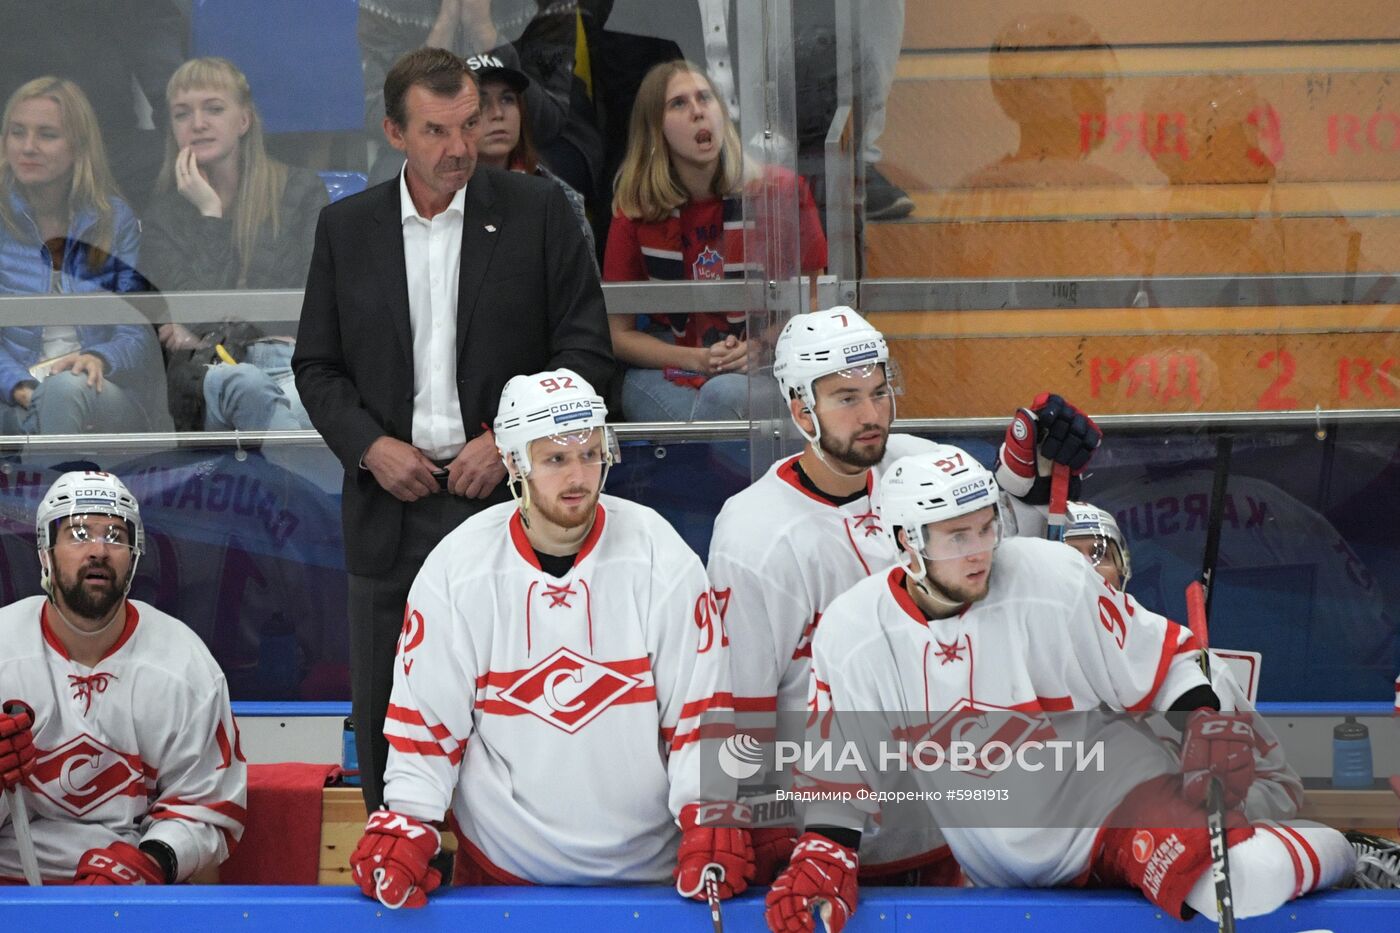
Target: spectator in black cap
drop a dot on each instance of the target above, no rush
(506, 141)
(533, 36)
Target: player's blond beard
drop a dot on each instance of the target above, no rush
(562, 520)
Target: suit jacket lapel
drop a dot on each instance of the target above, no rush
(479, 213)
(392, 276)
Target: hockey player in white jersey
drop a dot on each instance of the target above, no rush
(808, 529)
(1277, 791)
(972, 630)
(132, 772)
(561, 672)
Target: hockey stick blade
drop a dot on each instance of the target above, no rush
(1059, 503)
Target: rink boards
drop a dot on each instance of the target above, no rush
(547, 910)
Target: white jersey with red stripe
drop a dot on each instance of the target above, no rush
(779, 555)
(582, 739)
(141, 746)
(1049, 636)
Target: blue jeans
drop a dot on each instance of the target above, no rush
(64, 403)
(647, 395)
(259, 394)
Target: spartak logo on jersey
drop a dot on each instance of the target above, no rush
(83, 773)
(981, 723)
(567, 690)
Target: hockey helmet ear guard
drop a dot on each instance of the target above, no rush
(81, 494)
(824, 343)
(558, 405)
(1086, 521)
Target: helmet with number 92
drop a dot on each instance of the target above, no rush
(557, 406)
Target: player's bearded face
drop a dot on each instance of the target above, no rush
(566, 478)
(856, 408)
(90, 575)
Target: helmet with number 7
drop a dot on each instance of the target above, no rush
(930, 487)
(821, 343)
(87, 493)
(1085, 521)
(557, 404)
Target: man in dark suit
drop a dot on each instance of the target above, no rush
(425, 294)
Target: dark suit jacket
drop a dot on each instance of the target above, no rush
(528, 299)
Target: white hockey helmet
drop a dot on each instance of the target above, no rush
(557, 404)
(925, 488)
(821, 343)
(1084, 520)
(88, 493)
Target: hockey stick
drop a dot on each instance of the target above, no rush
(1197, 614)
(714, 874)
(19, 816)
(1059, 502)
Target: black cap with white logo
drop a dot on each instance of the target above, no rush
(488, 66)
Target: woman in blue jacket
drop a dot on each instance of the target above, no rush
(64, 230)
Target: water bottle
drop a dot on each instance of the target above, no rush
(350, 758)
(1351, 755)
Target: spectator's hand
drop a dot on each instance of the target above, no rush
(23, 396)
(476, 20)
(477, 470)
(401, 468)
(177, 337)
(82, 364)
(443, 35)
(731, 355)
(190, 182)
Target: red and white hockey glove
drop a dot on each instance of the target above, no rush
(772, 847)
(822, 873)
(16, 747)
(1219, 745)
(1050, 431)
(119, 863)
(706, 847)
(390, 863)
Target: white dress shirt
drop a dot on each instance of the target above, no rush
(432, 252)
